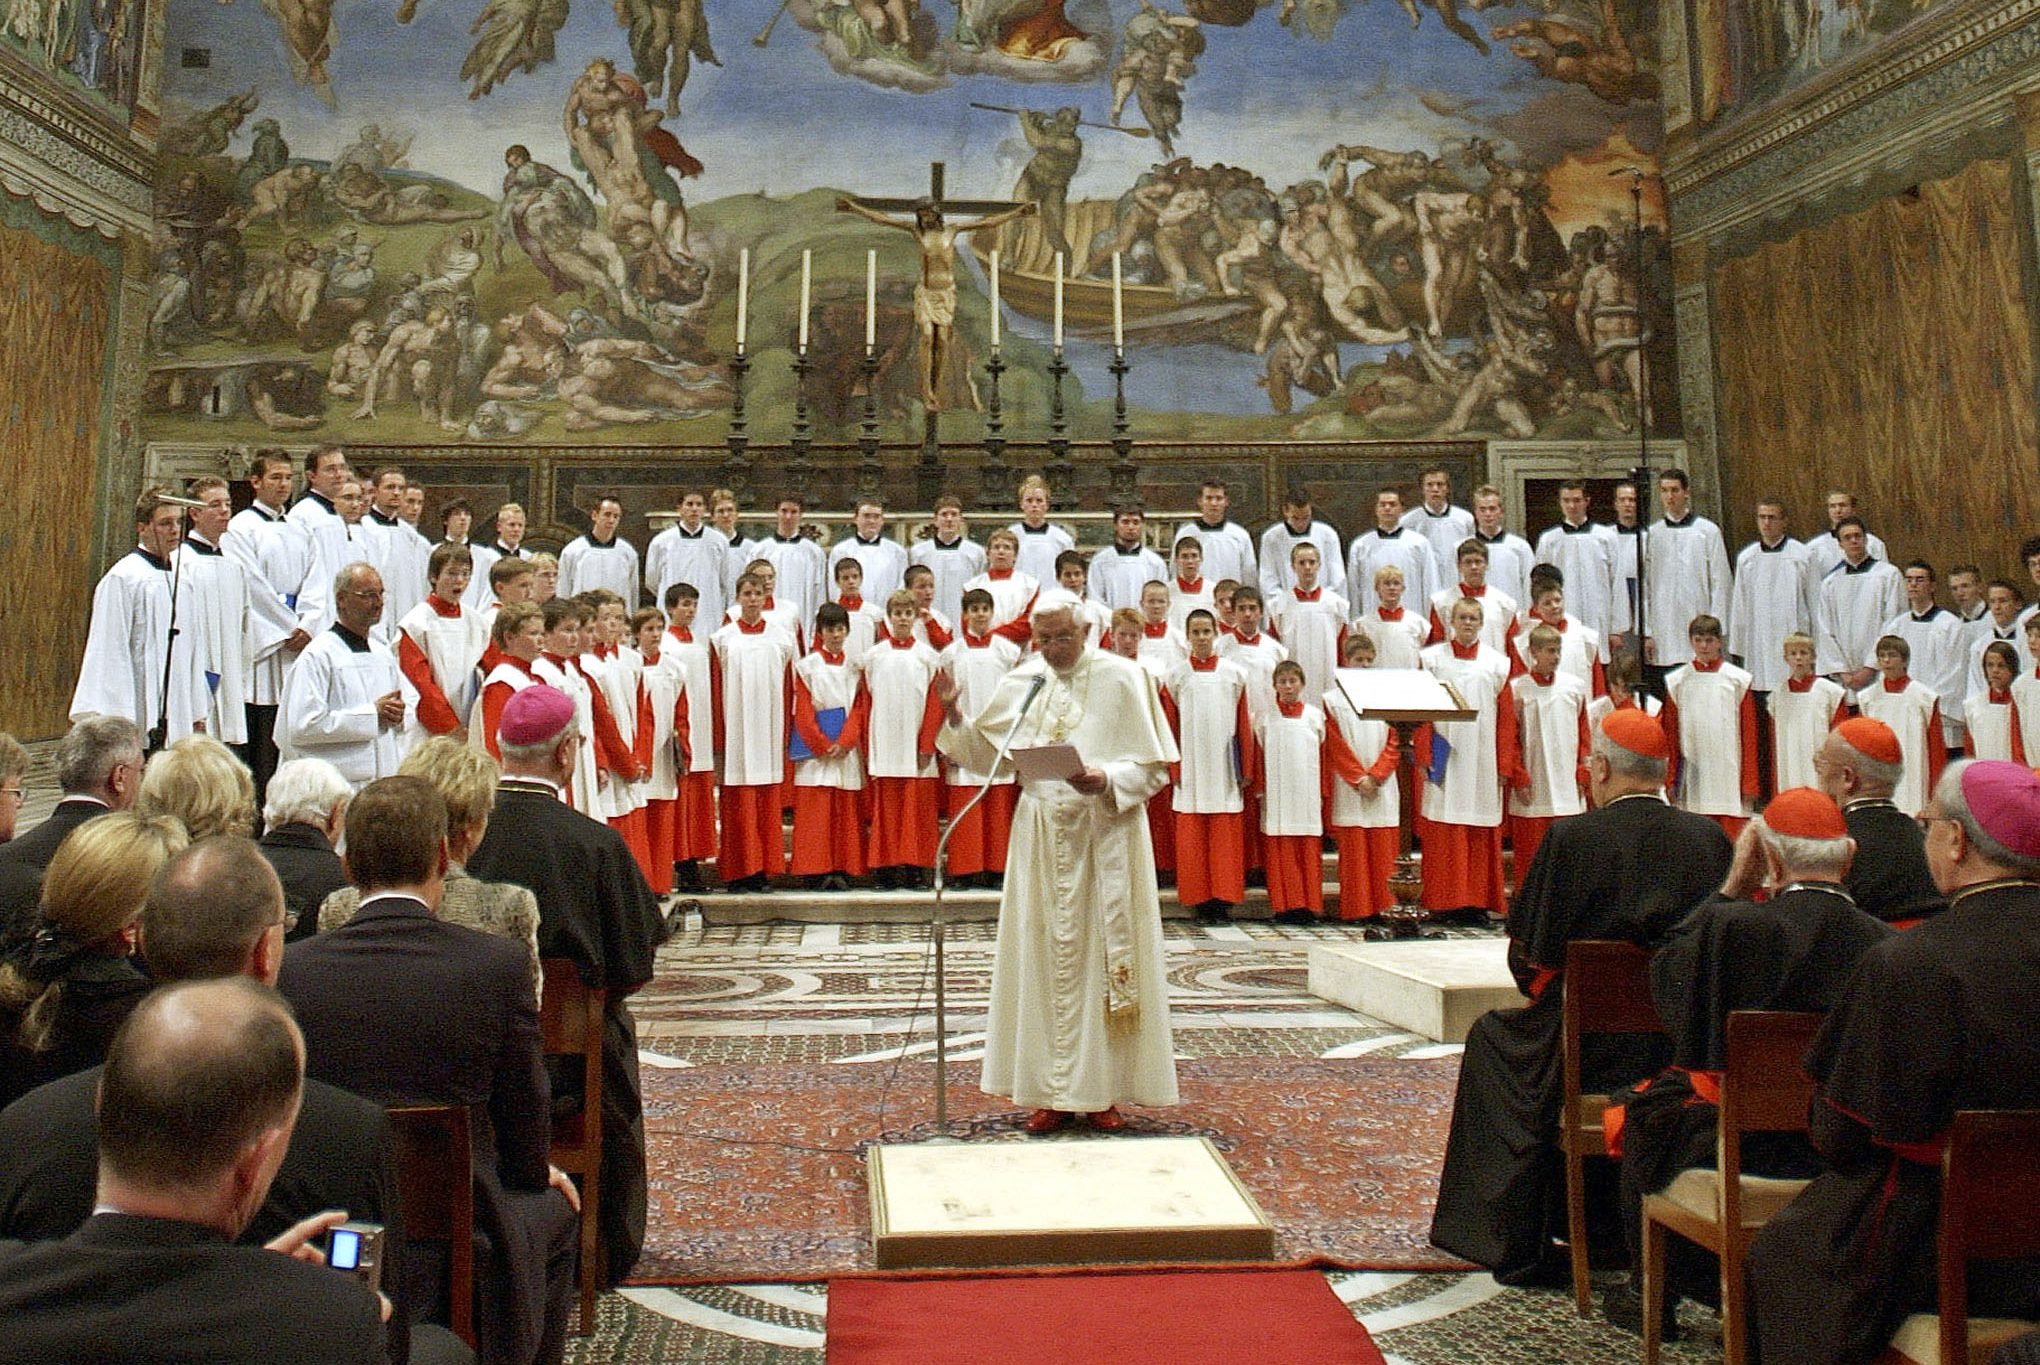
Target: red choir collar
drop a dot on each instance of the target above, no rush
(684, 636)
(1313, 595)
(1292, 709)
(2001, 698)
(442, 607)
(855, 603)
(1190, 586)
(1204, 665)
(1714, 667)
(1542, 679)
(756, 627)
(897, 643)
(1898, 684)
(998, 575)
(1460, 651)
(1389, 613)
(827, 656)
(1478, 592)
(1154, 630)
(1804, 684)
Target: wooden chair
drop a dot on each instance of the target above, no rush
(1763, 1090)
(436, 1182)
(1607, 990)
(1990, 1210)
(570, 1025)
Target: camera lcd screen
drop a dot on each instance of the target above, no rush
(343, 1249)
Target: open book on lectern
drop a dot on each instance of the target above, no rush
(1401, 694)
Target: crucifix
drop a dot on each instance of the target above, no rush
(935, 294)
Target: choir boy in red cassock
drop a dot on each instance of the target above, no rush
(1399, 633)
(1711, 720)
(1189, 589)
(517, 638)
(899, 750)
(1205, 698)
(1803, 710)
(1993, 721)
(830, 711)
(1310, 619)
(754, 663)
(1467, 764)
(1913, 711)
(1366, 805)
(662, 745)
(1292, 740)
(691, 663)
(976, 661)
(438, 646)
(933, 626)
(1551, 722)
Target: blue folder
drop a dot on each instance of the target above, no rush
(831, 724)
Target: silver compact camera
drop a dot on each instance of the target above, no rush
(357, 1249)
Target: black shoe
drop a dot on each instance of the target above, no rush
(1622, 1306)
(687, 877)
(835, 881)
(1297, 916)
(883, 878)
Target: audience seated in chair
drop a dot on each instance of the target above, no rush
(305, 810)
(99, 769)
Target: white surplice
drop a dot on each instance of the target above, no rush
(329, 708)
(953, 564)
(754, 669)
(1775, 587)
(1687, 574)
(697, 558)
(586, 563)
(127, 646)
(1585, 554)
(276, 556)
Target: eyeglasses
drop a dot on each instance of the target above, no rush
(1927, 822)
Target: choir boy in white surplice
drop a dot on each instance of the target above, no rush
(128, 641)
(1191, 589)
(884, 559)
(1775, 586)
(1466, 765)
(602, 558)
(232, 633)
(1803, 709)
(516, 639)
(1711, 720)
(828, 784)
(1509, 555)
(1388, 544)
(1826, 548)
(557, 666)
(2000, 621)
(1073, 576)
(899, 750)
(1625, 693)
(686, 657)
(1443, 526)
(1299, 527)
(1083, 1028)
(276, 557)
(1365, 810)
(1291, 740)
(1551, 724)
(1497, 608)
(975, 662)
(864, 619)
(1856, 598)
(1626, 534)
(439, 647)
(400, 550)
(1120, 570)
(1965, 596)
(934, 627)
(1914, 714)
(1397, 632)
(1227, 547)
(1687, 572)
(666, 757)
(1013, 590)
(754, 664)
(1254, 650)
(950, 553)
(1940, 648)
(689, 551)
(2026, 687)
(344, 699)
(509, 544)
(1992, 720)
(1310, 620)
(1579, 649)
(1036, 539)
(799, 564)
(316, 514)
(1162, 645)
(1205, 698)
(1585, 554)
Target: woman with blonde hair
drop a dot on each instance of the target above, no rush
(465, 777)
(65, 989)
(199, 782)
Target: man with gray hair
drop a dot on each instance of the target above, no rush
(1630, 868)
(1859, 765)
(344, 699)
(99, 768)
(1933, 1021)
(13, 784)
(1793, 950)
(301, 821)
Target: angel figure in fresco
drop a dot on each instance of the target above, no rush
(1158, 58)
(1606, 65)
(666, 38)
(1032, 30)
(307, 27)
(510, 35)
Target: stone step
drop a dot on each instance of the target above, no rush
(1434, 988)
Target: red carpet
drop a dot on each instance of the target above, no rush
(1182, 1317)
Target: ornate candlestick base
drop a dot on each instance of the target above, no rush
(800, 469)
(737, 467)
(870, 472)
(1124, 474)
(1058, 469)
(995, 476)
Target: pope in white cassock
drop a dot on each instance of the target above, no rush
(123, 672)
(1079, 1018)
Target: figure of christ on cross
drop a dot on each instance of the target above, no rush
(935, 294)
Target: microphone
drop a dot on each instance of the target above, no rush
(1033, 691)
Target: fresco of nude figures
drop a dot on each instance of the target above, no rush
(462, 221)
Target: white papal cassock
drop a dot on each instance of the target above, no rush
(1079, 1016)
(328, 708)
(127, 643)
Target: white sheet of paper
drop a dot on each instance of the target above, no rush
(1047, 762)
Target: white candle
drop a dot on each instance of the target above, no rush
(995, 300)
(870, 302)
(807, 269)
(1118, 308)
(743, 296)
(1058, 299)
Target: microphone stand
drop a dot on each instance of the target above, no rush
(936, 924)
(159, 733)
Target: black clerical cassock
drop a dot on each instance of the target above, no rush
(1630, 870)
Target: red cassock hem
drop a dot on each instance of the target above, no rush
(1216, 869)
(1366, 857)
(637, 837)
(979, 842)
(1526, 832)
(1731, 825)
(828, 831)
(1161, 820)
(752, 837)
(661, 818)
(1296, 873)
(694, 833)
(903, 825)
(1462, 866)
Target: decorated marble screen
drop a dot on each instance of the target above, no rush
(526, 221)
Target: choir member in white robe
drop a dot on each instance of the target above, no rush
(1914, 714)
(317, 515)
(1290, 736)
(950, 554)
(1551, 726)
(1120, 570)
(1627, 533)
(2000, 621)
(509, 541)
(1365, 810)
(128, 648)
(1711, 720)
(1459, 820)
(1826, 548)
(1585, 554)
(231, 634)
(1399, 633)
(1228, 548)
(1497, 608)
(1803, 709)
(1509, 555)
(1775, 584)
(1579, 649)
(557, 666)
(1013, 590)
(977, 661)
(1037, 540)
(1940, 648)
(754, 663)
(1298, 527)
(689, 551)
(1389, 544)
(1190, 589)
(1856, 598)
(344, 699)
(276, 556)
(1254, 651)
(1310, 620)
(800, 565)
(1205, 698)
(1442, 525)
(1990, 718)
(400, 551)
(1079, 1011)
(439, 646)
(1686, 573)
(602, 558)
(884, 559)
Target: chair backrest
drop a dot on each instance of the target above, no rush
(1765, 1088)
(436, 1184)
(1990, 1206)
(1607, 990)
(569, 1011)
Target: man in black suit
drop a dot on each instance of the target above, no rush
(153, 1275)
(1630, 868)
(595, 909)
(403, 1008)
(1859, 765)
(301, 819)
(99, 768)
(215, 910)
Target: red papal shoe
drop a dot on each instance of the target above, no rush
(1107, 1120)
(1046, 1121)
